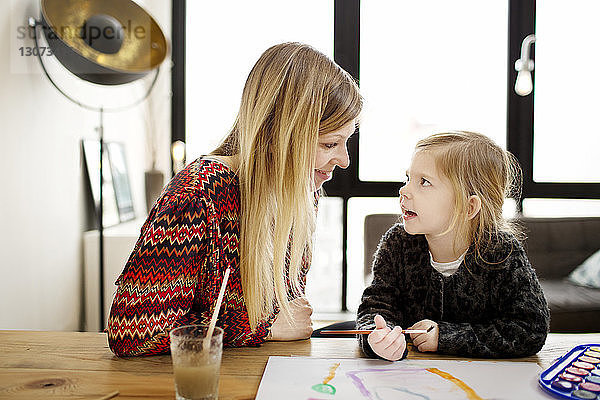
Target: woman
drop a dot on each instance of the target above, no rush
(249, 205)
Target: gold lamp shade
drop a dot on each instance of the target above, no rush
(108, 42)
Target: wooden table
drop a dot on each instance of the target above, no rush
(79, 365)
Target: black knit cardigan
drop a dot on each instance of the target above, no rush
(493, 308)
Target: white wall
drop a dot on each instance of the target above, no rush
(43, 205)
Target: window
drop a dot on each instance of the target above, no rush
(221, 48)
(566, 131)
(323, 284)
(557, 208)
(428, 66)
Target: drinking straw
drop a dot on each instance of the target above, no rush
(213, 320)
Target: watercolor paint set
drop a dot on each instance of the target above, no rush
(575, 375)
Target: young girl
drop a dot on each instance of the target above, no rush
(455, 267)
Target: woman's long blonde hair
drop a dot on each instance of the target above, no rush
(293, 94)
(475, 165)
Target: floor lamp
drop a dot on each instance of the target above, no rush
(105, 42)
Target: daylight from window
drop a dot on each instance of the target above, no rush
(566, 130)
(423, 71)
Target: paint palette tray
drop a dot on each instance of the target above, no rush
(575, 375)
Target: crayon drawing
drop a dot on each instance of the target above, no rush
(325, 387)
(409, 383)
(304, 378)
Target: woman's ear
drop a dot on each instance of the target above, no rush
(474, 206)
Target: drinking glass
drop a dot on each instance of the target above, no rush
(196, 362)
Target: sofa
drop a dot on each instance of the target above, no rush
(555, 246)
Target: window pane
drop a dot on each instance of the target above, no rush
(558, 208)
(566, 130)
(324, 280)
(223, 41)
(358, 209)
(427, 66)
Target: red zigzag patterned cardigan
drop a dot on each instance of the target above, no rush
(173, 276)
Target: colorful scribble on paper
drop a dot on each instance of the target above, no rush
(411, 382)
(469, 392)
(324, 387)
(364, 379)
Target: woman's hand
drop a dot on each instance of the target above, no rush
(300, 327)
(385, 342)
(426, 341)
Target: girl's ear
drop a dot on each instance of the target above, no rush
(474, 206)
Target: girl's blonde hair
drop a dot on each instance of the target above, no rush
(293, 94)
(475, 165)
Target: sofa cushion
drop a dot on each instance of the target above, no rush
(588, 273)
(555, 246)
(573, 308)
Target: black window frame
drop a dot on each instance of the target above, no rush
(520, 130)
(346, 183)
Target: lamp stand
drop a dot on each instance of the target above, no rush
(34, 24)
(100, 213)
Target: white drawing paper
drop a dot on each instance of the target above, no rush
(305, 378)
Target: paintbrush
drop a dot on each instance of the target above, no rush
(367, 331)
